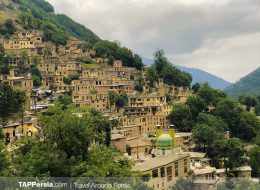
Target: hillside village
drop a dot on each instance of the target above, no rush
(163, 129)
(141, 130)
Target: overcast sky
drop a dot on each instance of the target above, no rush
(218, 36)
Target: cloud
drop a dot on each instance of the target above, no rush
(181, 27)
(231, 57)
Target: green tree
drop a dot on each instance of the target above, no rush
(181, 117)
(73, 134)
(233, 154)
(9, 27)
(35, 72)
(257, 109)
(87, 46)
(242, 124)
(11, 101)
(139, 87)
(195, 87)
(248, 126)
(138, 62)
(105, 48)
(248, 101)
(23, 63)
(245, 184)
(165, 70)
(2, 52)
(70, 78)
(197, 105)
(65, 101)
(100, 164)
(215, 122)
(228, 110)
(160, 61)
(121, 100)
(111, 60)
(229, 151)
(152, 75)
(254, 155)
(53, 87)
(4, 66)
(205, 136)
(3, 159)
(126, 55)
(128, 58)
(257, 139)
(207, 93)
(184, 184)
(36, 81)
(173, 76)
(53, 33)
(112, 98)
(47, 7)
(39, 159)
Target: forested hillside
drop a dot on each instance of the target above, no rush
(39, 14)
(249, 84)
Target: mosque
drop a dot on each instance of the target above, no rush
(165, 163)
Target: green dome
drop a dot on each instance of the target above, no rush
(164, 142)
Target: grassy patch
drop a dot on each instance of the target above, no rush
(89, 66)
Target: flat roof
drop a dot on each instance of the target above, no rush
(243, 168)
(117, 136)
(183, 134)
(206, 170)
(220, 170)
(197, 154)
(11, 125)
(129, 126)
(137, 142)
(158, 161)
(11, 78)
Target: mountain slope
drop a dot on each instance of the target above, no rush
(39, 12)
(198, 75)
(249, 84)
(75, 29)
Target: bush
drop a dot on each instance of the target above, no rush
(69, 79)
(8, 28)
(119, 100)
(139, 87)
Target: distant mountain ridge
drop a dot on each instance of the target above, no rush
(199, 76)
(250, 84)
